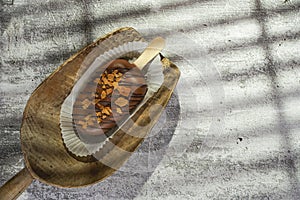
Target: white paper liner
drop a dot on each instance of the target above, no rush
(154, 78)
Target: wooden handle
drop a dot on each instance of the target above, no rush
(16, 185)
(151, 51)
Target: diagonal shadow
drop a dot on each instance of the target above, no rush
(59, 5)
(86, 25)
(135, 13)
(86, 22)
(56, 57)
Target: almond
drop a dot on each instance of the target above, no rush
(106, 111)
(86, 103)
(115, 84)
(110, 77)
(125, 91)
(97, 80)
(119, 110)
(109, 91)
(121, 102)
(105, 81)
(87, 117)
(103, 95)
(104, 116)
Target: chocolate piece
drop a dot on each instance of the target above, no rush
(120, 88)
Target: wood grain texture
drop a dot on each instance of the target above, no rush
(45, 154)
(16, 185)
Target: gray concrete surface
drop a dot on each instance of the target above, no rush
(232, 129)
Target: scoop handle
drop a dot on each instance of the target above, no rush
(16, 185)
(151, 51)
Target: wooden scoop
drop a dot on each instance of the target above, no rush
(46, 158)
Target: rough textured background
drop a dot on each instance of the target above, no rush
(253, 153)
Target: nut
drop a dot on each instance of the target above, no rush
(121, 102)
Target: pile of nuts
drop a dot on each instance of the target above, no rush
(102, 97)
(108, 82)
(119, 89)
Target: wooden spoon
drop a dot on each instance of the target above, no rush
(46, 158)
